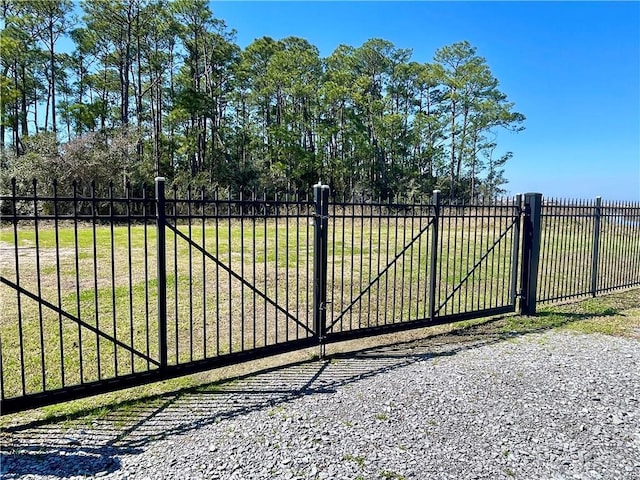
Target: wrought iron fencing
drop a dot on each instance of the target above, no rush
(101, 292)
(588, 247)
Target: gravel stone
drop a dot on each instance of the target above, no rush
(556, 405)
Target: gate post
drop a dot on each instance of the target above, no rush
(530, 252)
(434, 254)
(321, 224)
(161, 267)
(596, 247)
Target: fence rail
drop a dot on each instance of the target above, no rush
(105, 292)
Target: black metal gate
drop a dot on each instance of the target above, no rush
(398, 266)
(102, 292)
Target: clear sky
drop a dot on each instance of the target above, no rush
(572, 68)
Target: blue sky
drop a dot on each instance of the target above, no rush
(572, 68)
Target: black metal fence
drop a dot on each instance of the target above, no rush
(101, 292)
(587, 247)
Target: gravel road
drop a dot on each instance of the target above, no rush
(553, 405)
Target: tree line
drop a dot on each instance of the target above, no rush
(126, 90)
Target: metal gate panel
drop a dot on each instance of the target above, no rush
(245, 265)
(77, 304)
(378, 265)
(477, 258)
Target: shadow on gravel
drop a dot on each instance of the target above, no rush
(62, 462)
(89, 442)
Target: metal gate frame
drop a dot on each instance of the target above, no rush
(525, 254)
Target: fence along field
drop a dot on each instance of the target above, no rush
(80, 278)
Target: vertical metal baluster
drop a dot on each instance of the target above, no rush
(569, 248)
(254, 231)
(145, 234)
(16, 242)
(286, 264)
(624, 245)
(308, 259)
(434, 277)
(113, 279)
(554, 249)
(342, 261)
(334, 254)
(544, 251)
(419, 266)
(36, 229)
(569, 272)
(404, 256)
(94, 214)
(352, 278)
(176, 272)
(217, 228)
(503, 248)
(76, 214)
(298, 214)
(161, 270)
(203, 218)
(445, 237)
(266, 256)
(477, 280)
(617, 246)
(578, 260)
(470, 227)
(241, 213)
(568, 220)
(229, 245)
(482, 274)
(464, 258)
(379, 255)
(394, 281)
(411, 255)
(474, 250)
(275, 260)
(551, 237)
(370, 272)
(387, 274)
(360, 302)
(583, 259)
(129, 254)
(190, 260)
(579, 264)
(606, 252)
(454, 211)
(56, 229)
(491, 226)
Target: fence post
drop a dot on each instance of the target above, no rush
(434, 254)
(596, 247)
(530, 252)
(321, 224)
(161, 270)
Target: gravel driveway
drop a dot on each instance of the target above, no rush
(553, 405)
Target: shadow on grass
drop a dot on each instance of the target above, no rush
(94, 438)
